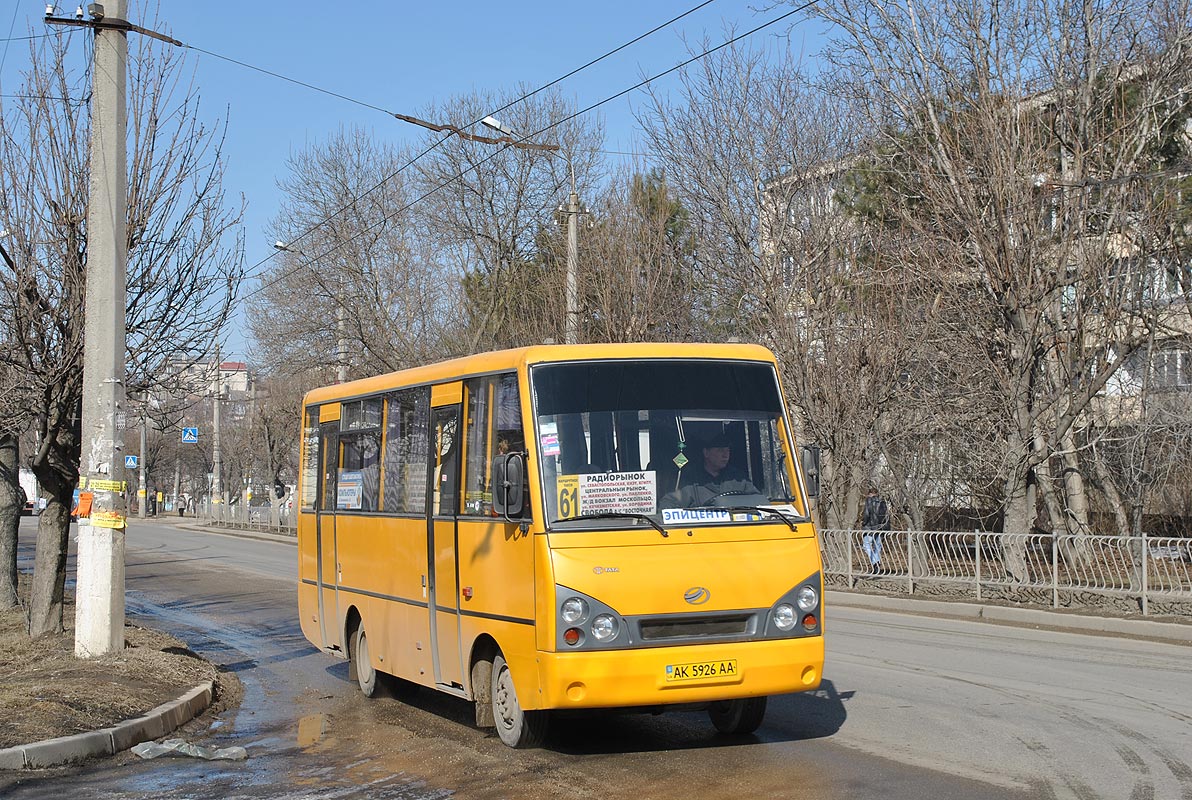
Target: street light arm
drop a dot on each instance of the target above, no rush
(113, 25)
(509, 140)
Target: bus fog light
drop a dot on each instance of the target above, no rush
(573, 636)
(784, 617)
(574, 610)
(808, 598)
(809, 622)
(605, 628)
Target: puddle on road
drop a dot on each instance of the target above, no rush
(311, 729)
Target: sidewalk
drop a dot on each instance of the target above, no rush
(1076, 621)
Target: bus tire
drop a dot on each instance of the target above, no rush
(366, 675)
(738, 716)
(516, 727)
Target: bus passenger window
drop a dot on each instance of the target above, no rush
(493, 428)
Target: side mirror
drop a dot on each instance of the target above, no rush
(811, 469)
(509, 484)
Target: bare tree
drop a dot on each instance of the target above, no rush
(355, 267)
(637, 256)
(485, 210)
(182, 272)
(1009, 149)
(757, 154)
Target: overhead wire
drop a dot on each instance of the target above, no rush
(646, 81)
(303, 235)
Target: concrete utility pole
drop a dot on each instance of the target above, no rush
(143, 494)
(216, 460)
(341, 371)
(571, 331)
(99, 603)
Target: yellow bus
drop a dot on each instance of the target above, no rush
(565, 527)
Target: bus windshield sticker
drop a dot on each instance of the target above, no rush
(626, 492)
(550, 444)
(694, 516)
(350, 490)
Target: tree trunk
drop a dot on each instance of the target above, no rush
(11, 502)
(49, 568)
(1019, 519)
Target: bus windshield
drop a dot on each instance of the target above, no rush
(670, 442)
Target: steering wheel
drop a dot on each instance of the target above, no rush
(729, 493)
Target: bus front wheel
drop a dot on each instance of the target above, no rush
(516, 727)
(738, 716)
(366, 675)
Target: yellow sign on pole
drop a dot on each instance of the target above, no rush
(107, 519)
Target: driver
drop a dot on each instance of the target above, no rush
(717, 452)
(714, 477)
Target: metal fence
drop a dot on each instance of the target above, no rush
(1130, 573)
(265, 518)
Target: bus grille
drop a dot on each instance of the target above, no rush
(695, 627)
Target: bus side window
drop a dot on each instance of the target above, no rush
(494, 428)
(310, 458)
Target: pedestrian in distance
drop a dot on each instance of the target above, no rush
(875, 518)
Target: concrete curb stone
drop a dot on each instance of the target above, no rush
(109, 741)
(1083, 623)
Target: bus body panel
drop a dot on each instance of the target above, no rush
(637, 677)
(495, 555)
(654, 578)
(308, 601)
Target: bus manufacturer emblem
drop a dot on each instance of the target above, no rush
(697, 595)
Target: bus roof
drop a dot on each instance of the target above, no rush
(505, 360)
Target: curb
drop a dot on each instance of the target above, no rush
(109, 741)
(1171, 632)
(261, 536)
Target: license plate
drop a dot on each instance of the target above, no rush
(702, 671)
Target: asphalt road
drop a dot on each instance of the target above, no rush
(912, 707)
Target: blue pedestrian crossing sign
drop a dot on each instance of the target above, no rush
(190, 435)
(130, 462)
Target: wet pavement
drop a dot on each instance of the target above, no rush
(310, 734)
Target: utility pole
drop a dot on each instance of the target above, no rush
(143, 494)
(341, 356)
(216, 461)
(99, 591)
(571, 330)
(99, 603)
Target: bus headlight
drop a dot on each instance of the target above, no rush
(784, 617)
(605, 628)
(574, 609)
(808, 598)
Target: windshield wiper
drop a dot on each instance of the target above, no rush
(767, 510)
(621, 515)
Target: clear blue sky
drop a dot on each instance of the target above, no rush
(399, 56)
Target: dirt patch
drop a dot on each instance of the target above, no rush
(47, 692)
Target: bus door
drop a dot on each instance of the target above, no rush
(328, 576)
(443, 597)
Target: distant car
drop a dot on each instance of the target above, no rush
(30, 509)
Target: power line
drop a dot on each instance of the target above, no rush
(484, 160)
(453, 130)
(404, 117)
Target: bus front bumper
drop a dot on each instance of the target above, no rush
(682, 674)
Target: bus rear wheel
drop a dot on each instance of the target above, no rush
(516, 727)
(738, 716)
(358, 653)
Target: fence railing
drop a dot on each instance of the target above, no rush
(1131, 573)
(266, 518)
